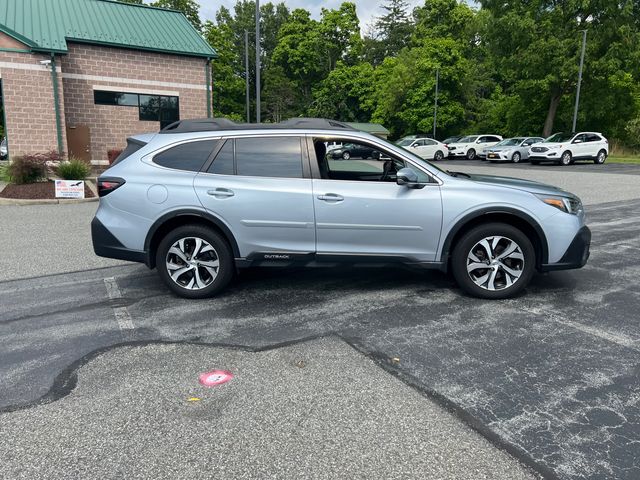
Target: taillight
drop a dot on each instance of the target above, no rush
(107, 185)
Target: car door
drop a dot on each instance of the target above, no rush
(580, 147)
(362, 215)
(593, 145)
(261, 189)
(420, 148)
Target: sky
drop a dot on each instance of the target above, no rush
(367, 9)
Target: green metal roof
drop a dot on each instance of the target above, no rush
(47, 25)
(373, 128)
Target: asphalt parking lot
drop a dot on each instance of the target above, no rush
(551, 377)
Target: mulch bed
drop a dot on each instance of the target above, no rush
(36, 191)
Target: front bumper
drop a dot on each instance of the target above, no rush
(576, 255)
(105, 244)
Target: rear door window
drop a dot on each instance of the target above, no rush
(279, 157)
(188, 156)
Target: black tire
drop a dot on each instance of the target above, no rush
(471, 154)
(516, 157)
(222, 251)
(438, 156)
(566, 159)
(470, 239)
(601, 158)
(346, 156)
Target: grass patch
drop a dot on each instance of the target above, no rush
(628, 160)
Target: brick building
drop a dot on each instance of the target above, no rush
(79, 76)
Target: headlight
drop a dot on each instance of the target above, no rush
(566, 204)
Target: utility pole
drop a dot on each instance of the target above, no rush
(435, 106)
(257, 61)
(575, 112)
(246, 75)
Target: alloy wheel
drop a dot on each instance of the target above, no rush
(516, 157)
(566, 158)
(193, 263)
(346, 155)
(495, 263)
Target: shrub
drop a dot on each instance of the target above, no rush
(27, 169)
(74, 169)
(4, 174)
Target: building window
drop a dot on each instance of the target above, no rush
(151, 108)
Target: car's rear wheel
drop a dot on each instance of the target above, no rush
(493, 261)
(516, 157)
(566, 159)
(601, 158)
(346, 156)
(194, 261)
(438, 156)
(471, 154)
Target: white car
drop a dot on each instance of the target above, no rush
(4, 150)
(471, 146)
(566, 148)
(426, 148)
(510, 150)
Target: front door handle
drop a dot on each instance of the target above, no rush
(220, 193)
(331, 197)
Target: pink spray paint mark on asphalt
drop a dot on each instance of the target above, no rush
(215, 378)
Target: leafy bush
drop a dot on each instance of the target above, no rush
(74, 169)
(27, 169)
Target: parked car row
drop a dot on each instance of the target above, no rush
(561, 148)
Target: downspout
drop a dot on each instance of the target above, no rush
(208, 80)
(56, 102)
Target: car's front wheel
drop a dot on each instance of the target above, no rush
(493, 261)
(516, 157)
(566, 159)
(194, 261)
(471, 154)
(346, 156)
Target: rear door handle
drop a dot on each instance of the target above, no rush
(331, 197)
(220, 193)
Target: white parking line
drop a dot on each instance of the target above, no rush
(618, 339)
(121, 313)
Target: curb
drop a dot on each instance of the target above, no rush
(20, 202)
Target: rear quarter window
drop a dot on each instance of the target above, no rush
(189, 157)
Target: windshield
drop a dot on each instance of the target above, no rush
(450, 140)
(560, 137)
(469, 139)
(509, 142)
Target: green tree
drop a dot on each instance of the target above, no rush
(394, 28)
(346, 94)
(190, 8)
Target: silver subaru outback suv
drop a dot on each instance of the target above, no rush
(203, 198)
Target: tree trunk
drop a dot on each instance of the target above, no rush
(551, 113)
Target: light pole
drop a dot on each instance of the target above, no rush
(575, 112)
(435, 106)
(257, 61)
(246, 75)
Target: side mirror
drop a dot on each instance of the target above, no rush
(577, 141)
(409, 178)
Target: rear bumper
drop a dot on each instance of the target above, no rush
(106, 245)
(576, 255)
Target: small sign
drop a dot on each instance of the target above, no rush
(69, 189)
(215, 378)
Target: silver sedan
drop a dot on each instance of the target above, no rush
(510, 150)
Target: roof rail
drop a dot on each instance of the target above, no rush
(217, 124)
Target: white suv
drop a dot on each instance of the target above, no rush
(471, 146)
(566, 148)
